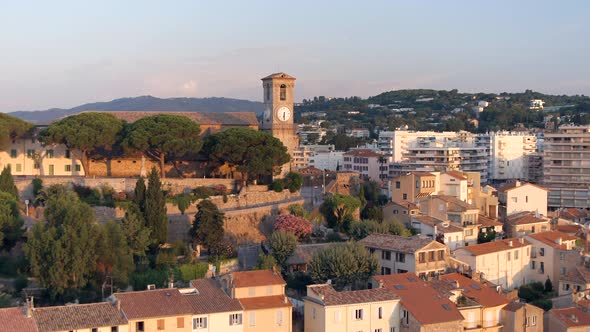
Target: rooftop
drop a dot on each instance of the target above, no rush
(154, 303)
(265, 302)
(457, 175)
(396, 243)
(363, 153)
(14, 319)
(208, 297)
(525, 218)
(483, 293)
(427, 305)
(579, 275)
(571, 317)
(278, 75)
(257, 278)
(553, 238)
(517, 184)
(487, 221)
(495, 246)
(332, 297)
(78, 316)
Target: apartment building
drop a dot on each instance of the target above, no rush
(567, 320)
(524, 223)
(304, 154)
(399, 254)
(518, 197)
(566, 167)
(327, 160)
(508, 154)
(93, 317)
(350, 311)
(525, 317)
(575, 280)
(450, 208)
(395, 143)
(366, 162)
(450, 234)
(552, 255)
(413, 185)
(423, 308)
(400, 210)
(504, 263)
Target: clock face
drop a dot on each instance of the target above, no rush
(283, 113)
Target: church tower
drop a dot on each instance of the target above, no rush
(278, 109)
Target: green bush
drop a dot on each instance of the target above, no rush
(293, 181)
(165, 260)
(278, 185)
(545, 304)
(189, 272)
(203, 192)
(37, 186)
(140, 280)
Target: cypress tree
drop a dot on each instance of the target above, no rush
(140, 190)
(7, 183)
(156, 218)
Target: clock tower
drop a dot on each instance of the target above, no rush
(277, 118)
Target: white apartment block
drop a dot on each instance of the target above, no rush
(395, 143)
(366, 162)
(566, 167)
(304, 154)
(508, 153)
(327, 160)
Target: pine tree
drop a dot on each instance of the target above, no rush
(155, 209)
(208, 226)
(138, 235)
(7, 183)
(140, 190)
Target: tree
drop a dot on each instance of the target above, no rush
(347, 265)
(282, 246)
(299, 226)
(12, 128)
(82, 133)
(548, 285)
(251, 152)
(138, 235)
(337, 207)
(360, 230)
(162, 137)
(139, 191)
(293, 181)
(62, 251)
(207, 228)
(11, 222)
(265, 262)
(155, 215)
(298, 210)
(7, 183)
(114, 256)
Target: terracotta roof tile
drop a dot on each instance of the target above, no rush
(525, 218)
(571, 317)
(515, 306)
(495, 246)
(396, 243)
(579, 275)
(265, 302)
(481, 293)
(332, 297)
(210, 298)
(424, 302)
(154, 303)
(78, 316)
(257, 278)
(14, 319)
(406, 204)
(487, 221)
(552, 238)
(456, 175)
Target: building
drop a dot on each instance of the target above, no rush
(423, 308)
(567, 320)
(303, 155)
(450, 208)
(401, 211)
(566, 167)
(399, 254)
(366, 162)
(536, 104)
(395, 143)
(413, 185)
(358, 132)
(575, 280)
(93, 317)
(17, 319)
(552, 255)
(525, 317)
(524, 223)
(350, 311)
(479, 302)
(518, 197)
(327, 160)
(452, 235)
(504, 263)
(508, 154)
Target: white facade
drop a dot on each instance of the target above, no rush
(331, 160)
(507, 153)
(522, 197)
(395, 143)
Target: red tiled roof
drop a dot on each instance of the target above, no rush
(406, 204)
(487, 221)
(425, 303)
(525, 218)
(495, 246)
(552, 237)
(579, 275)
(265, 302)
(332, 297)
(363, 153)
(569, 229)
(257, 278)
(78, 316)
(456, 175)
(571, 317)
(210, 298)
(396, 243)
(154, 303)
(477, 291)
(14, 319)
(514, 185)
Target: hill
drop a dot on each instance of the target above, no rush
(146, 103)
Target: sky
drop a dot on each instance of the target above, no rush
(66, 53)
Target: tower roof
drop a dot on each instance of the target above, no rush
(278, 75)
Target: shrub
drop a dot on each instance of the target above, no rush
(37, 186)
(140, 280)
(293, 181)
(165, 260)
(219, 189)
(298, 210)
(278, 185)
(300, 227)
(202, 192)
(183, 202)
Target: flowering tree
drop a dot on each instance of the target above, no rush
(300, 227)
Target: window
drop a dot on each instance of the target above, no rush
(68, 168)
(514, 200)
(531, 321)
(542, 267)
(515, 254)
(252, 319)
(13, 153)
(385, 270)
(283, 92)
(235, 319)
(378, 330)
(114, 329)
(397, 184)
(562, 256)
(566, 287)
(417, 184)
(49, 154)
(30, 153)
(94, 329)
(161, 325)
(68, 154)
(395, 211)
(441, 255)
(386, 255)
(267, 90)
(179, 322)
(405, 196)
(422, 257)
(252, 291)
(562, 270)
(542, 251)
(380, 313)
(77, 167)
(431, 256)
(392, 329)
(508, 256)
(532, 265)
(199, 323)
(140, 326)
(337, 316)
(526, 199)
(19, 167)
(313, 313)
(401, 257)
(279, 317)
(358, 314)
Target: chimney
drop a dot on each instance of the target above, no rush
(456, 284)
(171, 282)
(521, 240)
(517, 183)
(558, 240)
(30, 307)
(510, 243)
(380, 283)
(119, 305)
(285, 300)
